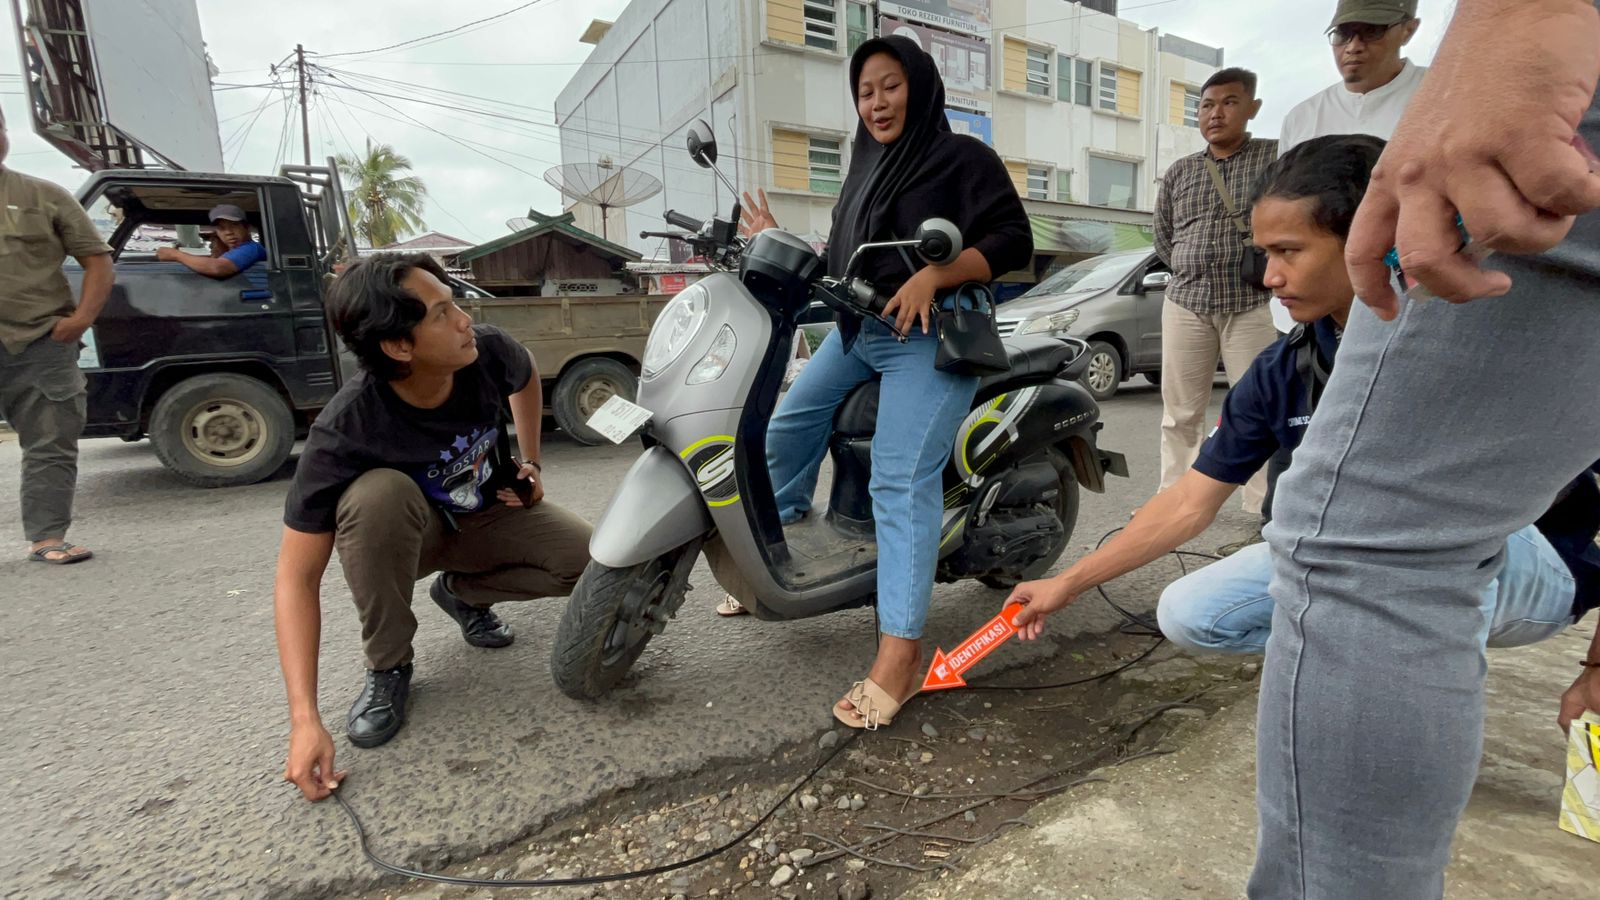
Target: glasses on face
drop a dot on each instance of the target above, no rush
(1340, 35)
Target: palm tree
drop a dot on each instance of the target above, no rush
(385, 202)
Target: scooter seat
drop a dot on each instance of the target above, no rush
(1032, 359)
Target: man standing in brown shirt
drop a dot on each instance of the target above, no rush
(1201, 233)
(42, 390)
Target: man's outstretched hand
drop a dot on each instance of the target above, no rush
(1039, 599)
(1490, 135)
(310, 765)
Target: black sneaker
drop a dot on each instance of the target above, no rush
(479, 625)
(378, 713)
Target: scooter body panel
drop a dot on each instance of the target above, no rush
(656, 508)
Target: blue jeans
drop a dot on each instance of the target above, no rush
(919, 410)
(1225, 607)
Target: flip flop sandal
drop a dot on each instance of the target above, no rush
(874, 707)
(731, 607)
(74, 554)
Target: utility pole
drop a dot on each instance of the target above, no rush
(305, 118)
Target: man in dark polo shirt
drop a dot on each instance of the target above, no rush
(42, 390)
(1302, 215)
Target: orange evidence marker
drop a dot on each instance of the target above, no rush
(945, 673)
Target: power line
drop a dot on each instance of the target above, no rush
(515, 9)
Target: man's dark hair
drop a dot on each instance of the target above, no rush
(1331, 171)
(368, 306)
(1233, 75)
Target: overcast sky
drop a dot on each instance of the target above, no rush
(522, 62)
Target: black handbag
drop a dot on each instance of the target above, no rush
(1253, 265)
(969, 339)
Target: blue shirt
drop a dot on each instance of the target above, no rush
(1268, 409)
(246, 255)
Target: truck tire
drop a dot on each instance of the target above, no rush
(584, 388)
(222, 430)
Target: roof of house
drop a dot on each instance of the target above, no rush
(559, 225)
(431, 240)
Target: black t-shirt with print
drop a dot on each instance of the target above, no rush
(451, 451)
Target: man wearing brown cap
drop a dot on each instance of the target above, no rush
(42, 391)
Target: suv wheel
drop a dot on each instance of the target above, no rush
(1104, 374)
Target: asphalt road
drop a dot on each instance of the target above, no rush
(144, 723)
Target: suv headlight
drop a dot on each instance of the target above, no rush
(679, 322)
(1050, 323)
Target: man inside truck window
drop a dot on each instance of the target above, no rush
(233, 231)
(409, 471)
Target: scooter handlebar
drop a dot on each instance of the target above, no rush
(679, 220)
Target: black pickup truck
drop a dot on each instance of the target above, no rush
(223, 375)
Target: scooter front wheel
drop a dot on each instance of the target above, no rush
(610, 617)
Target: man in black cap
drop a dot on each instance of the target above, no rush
(233, 230)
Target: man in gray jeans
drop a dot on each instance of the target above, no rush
(1424, 456)
(41, 388)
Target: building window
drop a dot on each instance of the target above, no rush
(1119, 90)
(1074, 80)
(1185, 105)
(858, 24)
(1038, 72)
(1113, 182)
(1064, 185)
(822, 24)
(1108, 87)
(826, 158)
(1038, 183)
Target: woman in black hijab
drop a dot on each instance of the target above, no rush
(906, 166)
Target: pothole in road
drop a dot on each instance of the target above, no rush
(898, 807)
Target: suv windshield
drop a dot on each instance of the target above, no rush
(1090, 275)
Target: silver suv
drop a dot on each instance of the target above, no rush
(1113, 302)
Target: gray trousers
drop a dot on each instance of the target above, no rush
(43, 397)
(1439, 435)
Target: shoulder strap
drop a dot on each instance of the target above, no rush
(1225, 194)
(1308, 364)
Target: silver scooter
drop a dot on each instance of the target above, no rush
(712, 372)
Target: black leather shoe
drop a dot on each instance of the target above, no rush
(378, 713)
(479, 625)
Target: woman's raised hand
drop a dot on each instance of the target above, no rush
(757, 215)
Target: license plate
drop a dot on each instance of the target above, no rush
(619, 419)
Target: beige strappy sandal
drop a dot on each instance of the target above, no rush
(730, 606)
(874, 707)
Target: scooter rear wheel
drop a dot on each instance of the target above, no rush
(600, 635)
(1065, 507)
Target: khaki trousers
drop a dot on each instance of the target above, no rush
(1190, 346)
(389, 537)
(43, 396)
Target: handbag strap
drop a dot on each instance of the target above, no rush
(1227, 197)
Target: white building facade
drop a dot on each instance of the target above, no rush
(1087, 110)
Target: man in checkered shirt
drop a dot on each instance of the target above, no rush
(1210, 310)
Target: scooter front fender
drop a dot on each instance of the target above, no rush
(657, 508)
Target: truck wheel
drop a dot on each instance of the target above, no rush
(222, 430)
(584, 388)
(597, 641)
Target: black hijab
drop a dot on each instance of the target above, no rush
(928, 172)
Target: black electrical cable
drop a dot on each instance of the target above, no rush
(394, 869)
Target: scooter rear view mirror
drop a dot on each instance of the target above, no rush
(702, 144)
(939, 242)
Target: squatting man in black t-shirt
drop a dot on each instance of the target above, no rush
(409, 471)
(1302, 212)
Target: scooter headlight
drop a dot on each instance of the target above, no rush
(715, 362)
(1050, 323)
(679, 322)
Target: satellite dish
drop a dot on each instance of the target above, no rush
(603, 184)
(520, 223)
